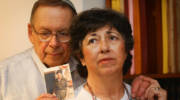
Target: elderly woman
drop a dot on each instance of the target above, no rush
(102, 41)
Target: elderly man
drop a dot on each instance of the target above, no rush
(22, 76)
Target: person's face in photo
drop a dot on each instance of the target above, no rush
(54, 21)
(59, 76)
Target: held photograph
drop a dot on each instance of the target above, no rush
(59, 82)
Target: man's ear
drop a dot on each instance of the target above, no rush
(30, 33)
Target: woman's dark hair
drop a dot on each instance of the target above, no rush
(93, 19)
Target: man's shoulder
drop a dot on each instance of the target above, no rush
(18, 58)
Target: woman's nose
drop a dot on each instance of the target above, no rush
(104, 46)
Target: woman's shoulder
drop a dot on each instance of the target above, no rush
(127, 92)
(82, 94)
(128, 87)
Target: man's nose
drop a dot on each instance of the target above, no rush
(54, 42)
(104, 46)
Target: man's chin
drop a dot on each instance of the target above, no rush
(55, 62)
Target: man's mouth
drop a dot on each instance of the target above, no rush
(54, 54)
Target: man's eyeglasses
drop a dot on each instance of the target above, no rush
(45, 35)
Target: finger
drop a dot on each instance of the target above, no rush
(148, 91)
(152, 93)
(155, 91)
(142, 90)
(135, 85)
(46, 97)
(154, 85)
(152, 81)
(161, 94)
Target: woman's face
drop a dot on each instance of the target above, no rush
(103, 52)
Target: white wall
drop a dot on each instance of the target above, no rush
(81, 5)
(87, 4)
(78, 5)
(14, 17)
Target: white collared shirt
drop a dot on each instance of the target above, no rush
(22, 77)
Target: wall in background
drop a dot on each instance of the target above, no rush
(87, 4)
(14, 18)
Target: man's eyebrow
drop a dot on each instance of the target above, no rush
(44, 28)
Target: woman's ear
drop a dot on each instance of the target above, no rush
(83, 61)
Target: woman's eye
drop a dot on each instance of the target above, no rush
(113, 38)
(91, 41)
(64, 33)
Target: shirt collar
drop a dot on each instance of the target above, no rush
(38, 62)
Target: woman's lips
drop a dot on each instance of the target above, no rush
(106, 60)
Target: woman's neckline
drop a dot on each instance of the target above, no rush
(94, 97)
